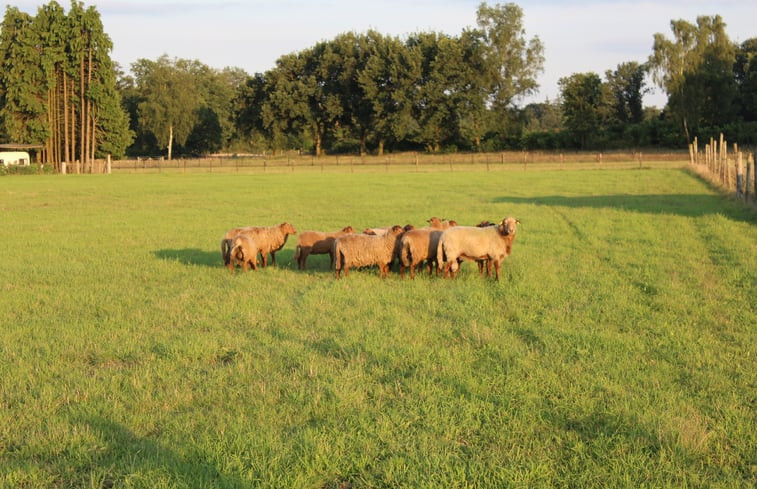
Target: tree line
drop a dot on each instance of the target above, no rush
(58, 86)
(364, 93)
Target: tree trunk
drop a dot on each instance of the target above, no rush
(66, 143)
(381, 147)
(170, 141)
(72, 107)
(82, 114)
(90, 150)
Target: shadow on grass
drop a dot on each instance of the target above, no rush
(122, 454)
(191, 256)
(690, 205)
(212, 259)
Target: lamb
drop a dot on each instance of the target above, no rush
(243, 252)
(418, 245)
(362, 250)
(268, 239)
(492, 243)
(317, 243)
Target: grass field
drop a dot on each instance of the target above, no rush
(618, 350)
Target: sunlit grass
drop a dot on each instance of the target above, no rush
(617, 350)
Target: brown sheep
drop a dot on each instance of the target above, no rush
(317, 243)
(419, 245)
(362, 250)
(243, 252)
(492, 243)
(268, 239)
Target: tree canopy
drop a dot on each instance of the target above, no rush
(58, 85)
(363, 92)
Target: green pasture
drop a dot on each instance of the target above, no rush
(618, 350)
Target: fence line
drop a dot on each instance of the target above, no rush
(734, 170)
(406, 162)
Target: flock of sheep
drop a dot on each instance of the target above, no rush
(441, 246)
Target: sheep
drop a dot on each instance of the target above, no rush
(492, 243)
(317, 243)
(418, 245)
(361, 250)
(268, 239)
(244, 252)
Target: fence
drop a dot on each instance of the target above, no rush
(405, 162)
(734, 170)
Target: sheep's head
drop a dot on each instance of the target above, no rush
(508, 226)
(408, 227)
(348, 230)
(396, 230)
(287, 228)
(434, 222)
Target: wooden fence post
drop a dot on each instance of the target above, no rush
(748, 177)
(739, 176)
(754, 167)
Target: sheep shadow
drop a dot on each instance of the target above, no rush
(212, 259)
(124, 452)
(688, 205)
(191, 256)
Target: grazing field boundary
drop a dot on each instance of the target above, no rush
(405, 162)
(734, 171)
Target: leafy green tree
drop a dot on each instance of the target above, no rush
(512, 62)
(433, 100)
(695, 69)
(582, 99)
(386, 81)
(627, 88)
(23, 98)
(745, 70)
(58, 84)
(249, 105)
(170, 99)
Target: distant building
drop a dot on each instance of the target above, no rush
(14, 158)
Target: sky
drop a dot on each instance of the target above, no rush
(578, 36)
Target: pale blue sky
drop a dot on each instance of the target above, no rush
(579, 36)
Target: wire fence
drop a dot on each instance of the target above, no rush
(732, 170)
(404, 162)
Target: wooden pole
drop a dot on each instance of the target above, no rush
(748, 176)
(754, 165)
(739, 176)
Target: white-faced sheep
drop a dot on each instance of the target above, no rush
(269, 239)
(492, 243)
(362, 250)
(243, 252)
(317, 243)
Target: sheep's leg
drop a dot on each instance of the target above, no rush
(496, 267)
(273, 258)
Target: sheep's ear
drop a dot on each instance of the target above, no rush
(517, 221)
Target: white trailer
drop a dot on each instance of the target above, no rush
(14, 158)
